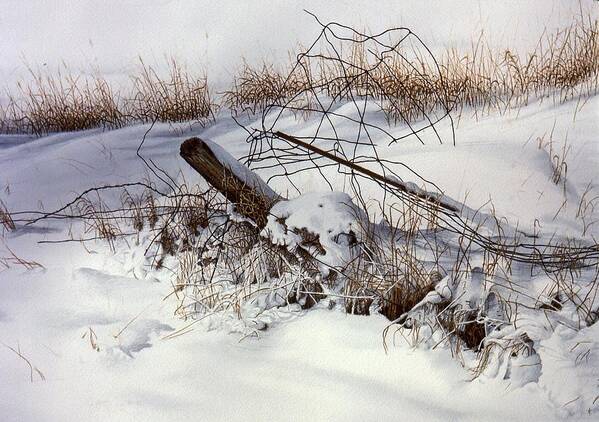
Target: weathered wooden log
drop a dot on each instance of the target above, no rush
(252, 197)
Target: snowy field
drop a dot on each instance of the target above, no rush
(321, 365)
(91, 333)
(90, 37)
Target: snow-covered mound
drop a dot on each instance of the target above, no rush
(331, 216)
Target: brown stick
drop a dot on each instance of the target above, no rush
(395, 183)
(250, 201)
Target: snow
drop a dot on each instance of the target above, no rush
(570, 376)
(317, 364)
(329, 215)
(99, 326)
(214, 36)
(321, 365)
(242, 172)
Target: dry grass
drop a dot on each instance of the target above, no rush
(63, 102)
(256, 88)
(563, 66)
(223, 266)
(178, 97)
(13, 260)
(98, 220)
(388, 272)
(410, 85)
(586, 211)
(407, 82)
(6, 220)
(557, 158)
(499, 350)
(33, 370)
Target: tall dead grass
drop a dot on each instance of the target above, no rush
(177, 97)
(407, 82)
(60, 103)
(411, 84)
(63, 102)
(256, 88)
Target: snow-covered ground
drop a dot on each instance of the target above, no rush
(95, 322)
(93, 335)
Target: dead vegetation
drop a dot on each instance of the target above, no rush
(13, 260)
(6, 220)
(406, 80)
(178, 97)
(586, 211)
(254, 89)
(63, 102)
(33, 370)
(410, 84)
(437, 287)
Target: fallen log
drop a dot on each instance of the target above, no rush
(251, 196)
(253, 199)
(298, 229)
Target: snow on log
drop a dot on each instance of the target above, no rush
(322, 225)
(251, 196)
(325, 224)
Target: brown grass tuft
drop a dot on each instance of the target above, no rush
(5, 218)
(64, 102)
(179, 97)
